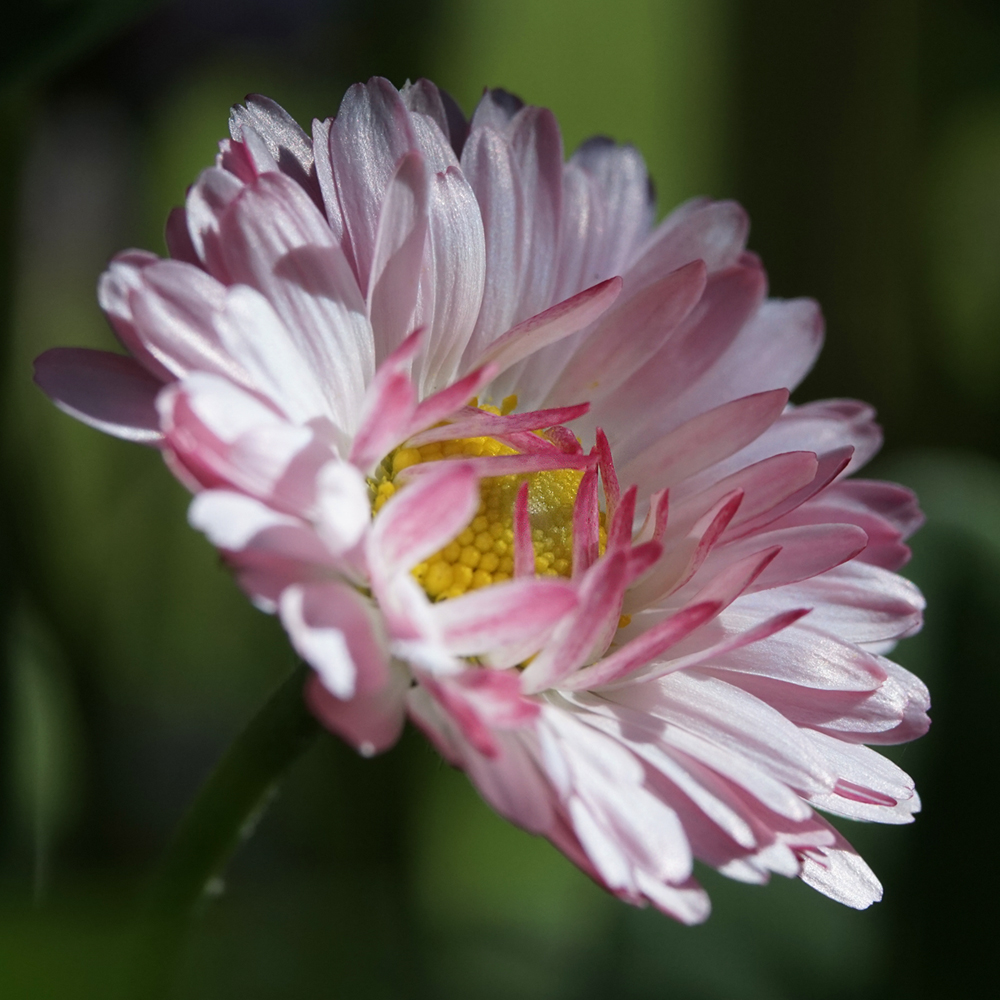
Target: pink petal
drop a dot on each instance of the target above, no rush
(730, 298)
(443, 404)
(424, 516)
(478, 423)
(206, 202)
(609, 479)
(774, 350)
(521, 611)
(175, 307)
(275, 240)
(371, 722)
(114, 291)
(894, 503)
(643, 649)
(334, 629)
(516, 174)
(288, 145)
(828, 467)
(451, 285)
(806, 551)
(552, 325)
(608, 210)
(424, 98)
(108, 391)
(236, 523)
(855, 601)
(731, 645)
(327, 184)
(840, 873)
(628, 335)
(511, 782)
(705, 440)
(586, 524)
(577, 634)
(685, 555)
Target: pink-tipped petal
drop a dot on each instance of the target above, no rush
(586, 524)
(371, 722)
(516, 612)
(609, 478)
(548, 327)
(425, 516)
(335, 631)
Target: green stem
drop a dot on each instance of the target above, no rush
(222, 815)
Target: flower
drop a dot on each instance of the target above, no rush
(657, 636)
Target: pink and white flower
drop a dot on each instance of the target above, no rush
(656, 637)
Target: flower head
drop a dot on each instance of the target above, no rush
(508, 457)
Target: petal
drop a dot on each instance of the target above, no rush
(370, 135)
(806, 551)
(397, 256)
(371, 722)
(703, 441)
(175, 307)
(552, 325)
(607, 212)
(275, 240)
(333, 628)
(253, 334)
(343, 509)
(730, 298)
(108, 391)
(424, 516)
(287, 143)
(628, 335)
(517, 177)
(522, 611)
(712, 231)
(451, 286)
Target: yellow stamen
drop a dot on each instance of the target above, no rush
(482, 554)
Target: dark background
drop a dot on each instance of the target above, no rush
(864, 138)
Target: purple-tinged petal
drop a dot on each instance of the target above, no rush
(577, 635)
(370, 135)
(108, 391)
(397, 255)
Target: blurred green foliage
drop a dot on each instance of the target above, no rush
(864, 138)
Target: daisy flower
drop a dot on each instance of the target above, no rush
(510, 458)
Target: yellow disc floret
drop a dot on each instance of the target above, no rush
(483, 554)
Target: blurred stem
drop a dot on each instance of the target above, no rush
(223, 814)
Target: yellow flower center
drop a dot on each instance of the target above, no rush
(483, 553)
